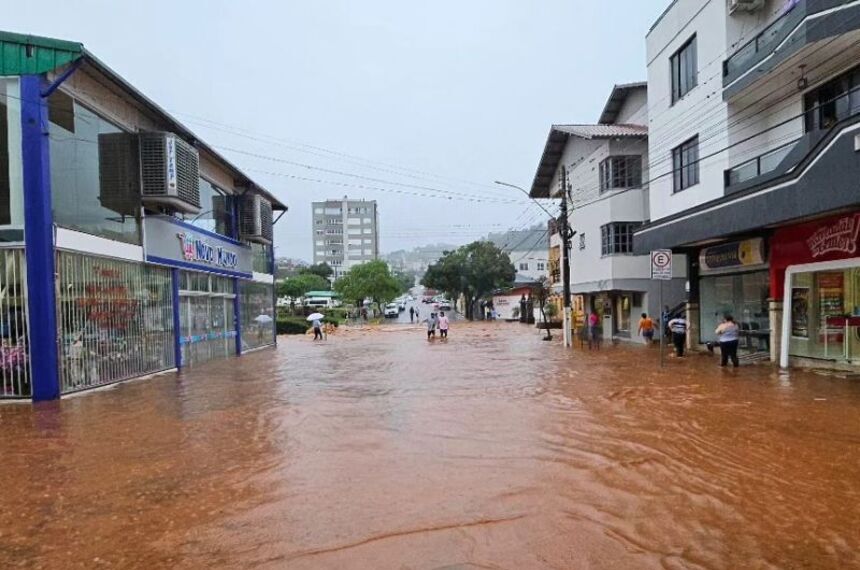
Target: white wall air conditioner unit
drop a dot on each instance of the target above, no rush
(745, 5)
(255, 219)
(169, 172)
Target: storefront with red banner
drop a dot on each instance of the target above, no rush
(815, 270)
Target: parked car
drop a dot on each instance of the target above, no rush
(391, 310)
(444, 305)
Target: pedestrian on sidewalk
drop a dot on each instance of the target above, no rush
(646, 328)
(411, 314)
(593, 329)
(318, 335)
(431, 326)
(728, 332)
(679, 328)
(443, 326)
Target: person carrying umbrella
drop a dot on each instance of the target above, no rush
(316, 320)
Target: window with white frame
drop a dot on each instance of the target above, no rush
(582, 241)
(524, 266)
(541, 266)
(620, 172)
(685, 164)
(685, 69)
(617, 237)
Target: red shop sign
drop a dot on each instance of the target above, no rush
(827, 239)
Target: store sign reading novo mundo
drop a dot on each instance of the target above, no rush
(840, 237)
(169, 241)
(197, 249)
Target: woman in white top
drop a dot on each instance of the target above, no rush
(728, 332)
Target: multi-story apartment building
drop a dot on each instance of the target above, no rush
(754, 112)
(345, 233)
(607, 173)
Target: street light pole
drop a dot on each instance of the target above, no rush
(565, 232)
(566, 236)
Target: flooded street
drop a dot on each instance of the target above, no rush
(496, 450)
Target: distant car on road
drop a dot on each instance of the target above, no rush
(391, 310)
(444, 305)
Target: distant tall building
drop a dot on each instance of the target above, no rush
(345, 233)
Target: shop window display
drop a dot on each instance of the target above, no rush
(742, 295)
(15, 379)
(258, 314)
(825, 315)
(115, 320)
(206, 317)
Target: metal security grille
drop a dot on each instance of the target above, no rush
(14, 336)
(115, 320)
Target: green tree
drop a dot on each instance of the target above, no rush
(321, 269)
(297, 286)
(371, 280)
(473, 271)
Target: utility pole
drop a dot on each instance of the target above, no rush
(565, 232)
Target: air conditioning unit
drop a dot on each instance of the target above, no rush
(745, 5)
(155, 169)
(169, 172)
(255, 218)
(119, 173)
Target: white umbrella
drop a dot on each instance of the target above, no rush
(316, 317)
(262, 319)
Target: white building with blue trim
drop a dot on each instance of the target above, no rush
(127, 245)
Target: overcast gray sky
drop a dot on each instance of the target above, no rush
(433, 100)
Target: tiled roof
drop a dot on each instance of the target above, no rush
(557, 140)
(603, 131)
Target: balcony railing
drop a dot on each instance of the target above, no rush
(765, 41)
(755, 167)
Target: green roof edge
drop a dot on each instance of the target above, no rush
(45, 54)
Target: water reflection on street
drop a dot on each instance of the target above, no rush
(377, 449)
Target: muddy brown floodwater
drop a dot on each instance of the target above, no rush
(378, 450)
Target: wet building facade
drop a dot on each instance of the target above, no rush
(129, 247)
(761, 191)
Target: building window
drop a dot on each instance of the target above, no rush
(75, 146)
(620, 172)
(685, 70)
(833, 101)
(617, 238)
(261, 258)
(11, 165)
(685, 164)
(216, 210)
(581, 241)
(541, 266)
(524, 266)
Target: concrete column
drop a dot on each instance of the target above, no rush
(774, 308)
(693, 335)
(39, 238)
